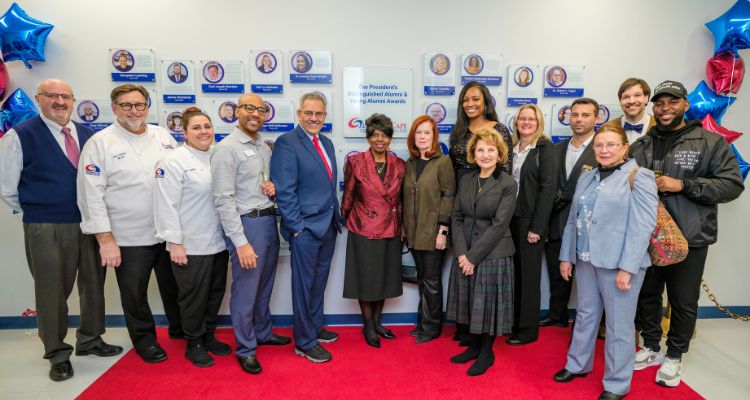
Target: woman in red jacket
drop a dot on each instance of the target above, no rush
(371, 205)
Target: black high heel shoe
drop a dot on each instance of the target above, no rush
(384, 332)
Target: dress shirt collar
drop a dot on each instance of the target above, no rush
(54, 127)
(244, 137)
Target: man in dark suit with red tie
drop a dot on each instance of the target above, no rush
(303, 168)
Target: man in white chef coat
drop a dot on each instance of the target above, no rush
(115, 189)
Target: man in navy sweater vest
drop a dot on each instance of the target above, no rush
(38, 166)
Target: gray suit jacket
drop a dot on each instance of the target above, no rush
(480, 222)
(622, 221)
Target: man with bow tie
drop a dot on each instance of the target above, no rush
(633, 95)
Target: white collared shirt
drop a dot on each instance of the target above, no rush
(634, 135)
(573, 154)
(184, 211)
(519, 157)
(116, 182)
(11, 159)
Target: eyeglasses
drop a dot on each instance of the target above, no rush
(251, 108)
(609, 146)
(129, 106)
(524, 119)
(54, 96)
(310, 114)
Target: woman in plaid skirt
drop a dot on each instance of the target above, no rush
(480, 290)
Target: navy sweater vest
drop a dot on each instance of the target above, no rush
(47, 189)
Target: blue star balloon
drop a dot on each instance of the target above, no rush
(17, 108)
(22, 37)
(704, 101)
(744, 166)
(732, 29)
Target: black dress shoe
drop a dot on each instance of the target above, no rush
(513, 341)
(102, 349)
(371, 338)
(250, 364)
(276, 340)
(415, 332)
(424, 338)
(564, 376)
(551, 322)
(384, 332)
(196, 353)
(153, 354)
(610, 396)
(213, 345)
(61, 371)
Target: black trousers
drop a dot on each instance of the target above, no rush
(559, 289)
(682, 281)
(57, 254)
(133, 276)
(429, 265)
(200, 286)
(527, 278)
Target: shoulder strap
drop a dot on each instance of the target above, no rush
(631, 178)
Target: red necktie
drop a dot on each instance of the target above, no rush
(71, 147)
(322, 157)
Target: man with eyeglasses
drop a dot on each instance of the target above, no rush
(699, 171)
(243, 195)
(303, 168)
(115, 190)
(575, 156)
(38, 177)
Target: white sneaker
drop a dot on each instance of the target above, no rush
(670, 372)
(646, 357)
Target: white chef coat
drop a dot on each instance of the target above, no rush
(184, 210)
(116, 181)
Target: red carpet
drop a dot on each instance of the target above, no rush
(399, 370)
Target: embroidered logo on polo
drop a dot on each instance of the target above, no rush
(159, 173)
(92, 169)
(167, 146)
(119, 156)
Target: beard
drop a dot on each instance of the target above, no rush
(677, 120)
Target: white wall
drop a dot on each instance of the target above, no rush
(615, 40)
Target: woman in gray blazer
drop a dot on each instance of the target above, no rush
(480, 290)
(607, 237)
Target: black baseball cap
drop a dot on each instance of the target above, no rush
(672, 88)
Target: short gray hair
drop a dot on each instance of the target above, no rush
(313, 96)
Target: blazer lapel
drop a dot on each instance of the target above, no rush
(585, 157)
(488, 185)
(563, 177)
(373, 176)
(308, 145)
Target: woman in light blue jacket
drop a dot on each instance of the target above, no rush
(607, 237)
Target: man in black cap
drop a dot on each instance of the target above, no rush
(698, 171)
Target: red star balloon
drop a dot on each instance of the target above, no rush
(710, 124)
(725, 72)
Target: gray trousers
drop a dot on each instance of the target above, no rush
(596, 293)
(56, 254)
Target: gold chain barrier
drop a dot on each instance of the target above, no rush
(712, 297)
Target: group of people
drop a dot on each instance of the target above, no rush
(129, 198)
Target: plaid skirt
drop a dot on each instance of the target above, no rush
(484, 300)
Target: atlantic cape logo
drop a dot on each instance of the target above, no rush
(92, 169)
(159, 173)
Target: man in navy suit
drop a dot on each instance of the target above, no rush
(38, 166)
(303, 168)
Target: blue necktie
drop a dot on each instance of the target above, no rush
(630, 127)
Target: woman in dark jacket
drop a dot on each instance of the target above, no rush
(429, 189)
(371, 205)
(534, 172)
(476, 111)
(480, 291)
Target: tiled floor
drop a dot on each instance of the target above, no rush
(718, 365)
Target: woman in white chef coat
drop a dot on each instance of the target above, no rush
(187, 220)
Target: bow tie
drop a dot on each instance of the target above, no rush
(630, 127)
